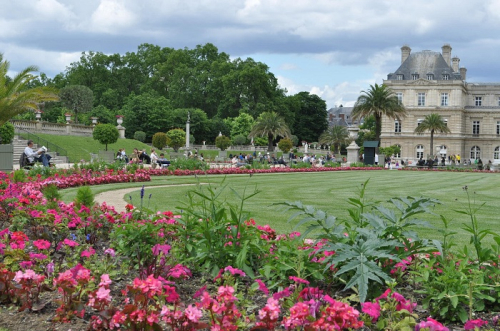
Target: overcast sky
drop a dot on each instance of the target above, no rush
(333, 48)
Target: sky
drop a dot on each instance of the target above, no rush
(332, 48)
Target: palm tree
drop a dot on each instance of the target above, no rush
(336, 136)
(433, 122)
(15, 95)
(378, 101)
(272, 125)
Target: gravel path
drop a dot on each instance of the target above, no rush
(115, 197)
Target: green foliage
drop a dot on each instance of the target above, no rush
(188, 164)
(19, 176)
(222, 142)
(374, 234)
(106, 134)
(176, 138)
(285, 145)
(240, 140)
(335, 136)
(311, 117)
(390, 150)
(211, 244)
(159, 140)
(84, 197)
(240, 125)
(272, 125)
(140, 136)
(52, 194)
(260, 141)
(295, 140)
(16, 94)
(6, 133)
(78, 98)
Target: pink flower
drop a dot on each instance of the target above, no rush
(371, 309)
(157, 249)
(103, 294)
(70, 243)
(105, 280)
(199, 292)
(473, 324)
(262, 286)
(37, 256)
(283, 294)
(179, 271)
(193, 313)
(234, 271)
(110, 252)
(299, 280)
(41, 244)
(430, 325)
(88, 253)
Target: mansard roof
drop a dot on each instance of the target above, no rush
(425, 63)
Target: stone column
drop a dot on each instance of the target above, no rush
(352, 153)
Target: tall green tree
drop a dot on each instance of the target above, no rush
(16, 97)
(335, 136)
(77, 98)
(378, 101)
(433, 123)
(311, 117)
(272, 125)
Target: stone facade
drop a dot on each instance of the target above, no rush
(432, 82)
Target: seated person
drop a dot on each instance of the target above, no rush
(38, 156)
(135, 157)
(144, 157)
(162, 161)
(421, 162)
(281, 160)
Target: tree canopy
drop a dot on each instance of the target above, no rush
(335, 136)
(378, 101)
(16, 95)
(272, 125)
(433, 123)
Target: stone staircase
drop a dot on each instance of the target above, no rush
(19, 146)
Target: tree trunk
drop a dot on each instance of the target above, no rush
(270, 143)
(378, 126)
(432, 142)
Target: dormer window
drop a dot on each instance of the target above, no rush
(399, 77)
(414, 76)
(430, 77)
(446, 77)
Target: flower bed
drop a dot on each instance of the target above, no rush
(212, 267)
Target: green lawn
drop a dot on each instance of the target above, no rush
(330, 191)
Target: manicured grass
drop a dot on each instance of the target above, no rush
(330, 191)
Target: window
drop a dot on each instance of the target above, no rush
(420, 151)
(475, 128)
(444, 99)
(397, 127)
(421, 99)
(430, 76)
(445, 122)
(398, 155)
(475, 152)
(499, 101)
(479, 101)
(498, 127)
(399, 77)
(446, 77)
(496, 155)
(399, 95)
(414, 76)
(419, 121)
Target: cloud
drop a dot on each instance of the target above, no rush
(111, 17)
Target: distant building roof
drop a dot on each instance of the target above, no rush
(425, 63)
(371, 143)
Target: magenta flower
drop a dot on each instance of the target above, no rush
(110, 252)
(88, 253)
(70, 243)
(105, 280)
(299, 280)
(235, 271)
(430, 325)
(371, 309)
(262, 286)
(193, 314)
(41, 244)
(473, 324)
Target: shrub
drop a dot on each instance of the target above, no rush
(6, 133)
(176, 138)
(105, 134)
(285, 145)
(140, 135)
(260, 141)
(239, 140)
(159, 140)
(84, 197)
(222, 142)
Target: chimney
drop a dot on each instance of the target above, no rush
(447, 53)
(455, 62)
(405, 52)
(463, 73)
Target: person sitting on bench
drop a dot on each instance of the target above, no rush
(162, 161)
(39, 156)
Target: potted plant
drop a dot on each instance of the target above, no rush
(106, 134)
(6, 146)
(223, 143)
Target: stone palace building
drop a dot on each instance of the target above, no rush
(431, 82)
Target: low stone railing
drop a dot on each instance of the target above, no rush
(53, 128)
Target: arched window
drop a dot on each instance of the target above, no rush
(420, 151)
(442, 151)
(475, 152)
(398, 155)
(496, 155)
